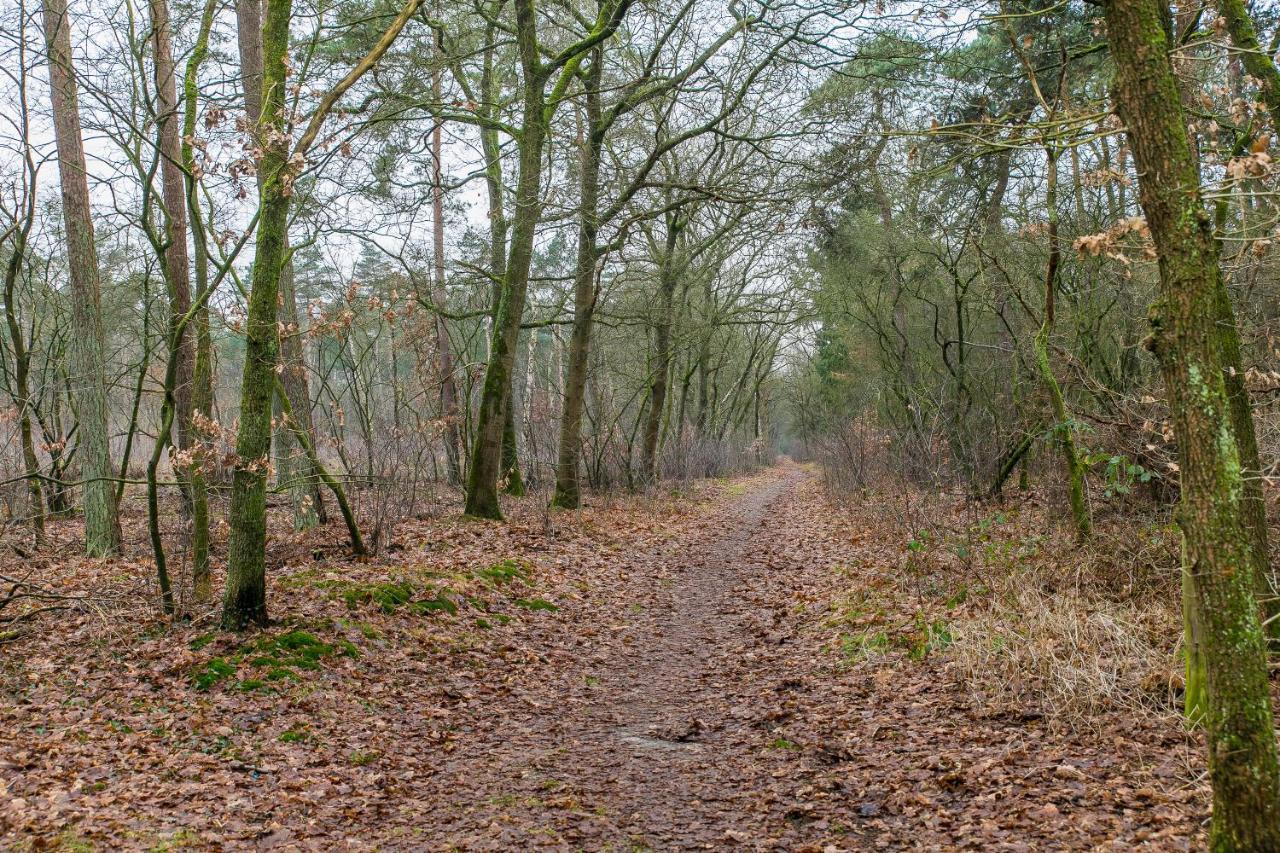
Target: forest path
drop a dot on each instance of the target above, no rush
(649, 735)
(736, 666)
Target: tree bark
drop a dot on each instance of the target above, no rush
(245, 600)
(1260, 65)
(568, 492)
(88, 343)
(444, 349)
(292, 466)
(1190, 343)
(491, 422)
(176, 260)
(661, 364)
(1062, 428)
(202, 369)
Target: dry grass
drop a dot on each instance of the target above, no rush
(1070, 657)
(1037, 624)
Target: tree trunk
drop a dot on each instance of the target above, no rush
(1191, 343)
(88, 343)
(493, 438)
(202, 369)
(22, 361)
(176, 261)
(1062, 428)
(487, 458)
(245, 601)
(568, 493)
(1260, 65)
(292, 466)
(444, 349)
(661, 365)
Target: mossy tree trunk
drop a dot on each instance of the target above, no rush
(245, 602)
(245, 599)
(568, 490)
(88, 345)
(202, 369)
(301, 479)
(660, 367)
(1189, 341)
(493, 440)
(1261, 66)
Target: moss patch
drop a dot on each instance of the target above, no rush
(275, 658)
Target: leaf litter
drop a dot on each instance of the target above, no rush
(736, 667)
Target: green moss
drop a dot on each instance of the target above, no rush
(392, 596)
(200, 642)
(388, 596)
(211, 672)
(536, 604)
(360, 757)
(504, 572)
(280, 656)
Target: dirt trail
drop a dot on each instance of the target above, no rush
(740, 669)
(646, 739)
(700, 699)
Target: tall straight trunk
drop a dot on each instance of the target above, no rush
(202, 369)
(179, 390)
(660, 367)
(1192, 344)
(499, 228)
(1260, 65)
(494, 444)
(176, 260)
(444, 349)
(568, 492)
(487, 458)
(245, 600)
(88, 344)
(292, 466)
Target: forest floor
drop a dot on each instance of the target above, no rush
(740, 665)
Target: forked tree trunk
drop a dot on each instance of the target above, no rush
(88, 344)
(491, 441)
(1191, 342)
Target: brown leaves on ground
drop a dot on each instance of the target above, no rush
(742, 667)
